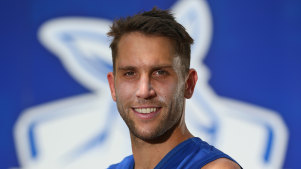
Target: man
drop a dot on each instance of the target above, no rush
(150, 81)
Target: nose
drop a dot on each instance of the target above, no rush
(145, 89)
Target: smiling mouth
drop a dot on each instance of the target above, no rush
(146, 110)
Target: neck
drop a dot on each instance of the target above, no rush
(147, 154)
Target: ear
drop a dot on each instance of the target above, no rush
(190, 83)
(110, 77)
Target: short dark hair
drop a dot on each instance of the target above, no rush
(154, 22)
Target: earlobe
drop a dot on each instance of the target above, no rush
(190, 83)
(110, 77)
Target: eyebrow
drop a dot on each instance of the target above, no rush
(123, 68)
(162, 66)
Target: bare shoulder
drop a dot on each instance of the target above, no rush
(221, 163)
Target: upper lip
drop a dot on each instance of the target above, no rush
(143, 107)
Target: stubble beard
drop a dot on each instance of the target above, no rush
(170, 118)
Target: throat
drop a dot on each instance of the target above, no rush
(148, 153)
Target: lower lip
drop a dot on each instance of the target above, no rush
(147, 116)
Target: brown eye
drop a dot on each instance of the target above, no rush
(160, 73)
(129, 73)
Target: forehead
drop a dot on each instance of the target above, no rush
(142, 49)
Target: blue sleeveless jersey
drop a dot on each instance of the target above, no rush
(190, 154)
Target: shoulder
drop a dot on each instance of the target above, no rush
(127, 162)
(196, 153)
(222, 163)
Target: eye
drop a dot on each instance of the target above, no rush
(160, 73)
(129, 73)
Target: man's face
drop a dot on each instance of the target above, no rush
(148, 85)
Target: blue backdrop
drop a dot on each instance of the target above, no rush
(255, 56)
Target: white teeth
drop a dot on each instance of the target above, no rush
(145, 110)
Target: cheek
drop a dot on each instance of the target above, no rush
(167, 90)
(124, 90)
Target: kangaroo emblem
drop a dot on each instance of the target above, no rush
(86, 131)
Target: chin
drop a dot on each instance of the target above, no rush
(153, 136)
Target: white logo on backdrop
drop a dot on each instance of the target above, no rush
(86, 131)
